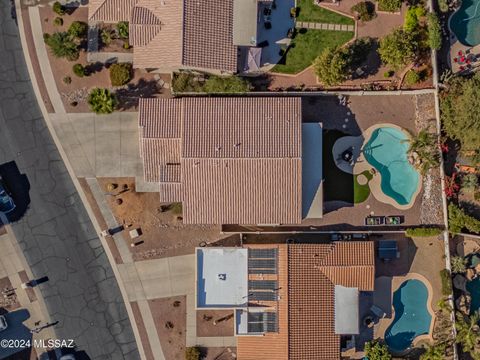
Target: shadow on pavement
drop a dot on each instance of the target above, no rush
(19, 187)
(16, 331)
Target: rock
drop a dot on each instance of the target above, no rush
(477, 268)
(470, 274)
(463, 304)
(459, 282)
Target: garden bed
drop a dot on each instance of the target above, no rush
(116, 44)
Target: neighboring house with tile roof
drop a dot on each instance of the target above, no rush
(217, 35)
(306, 296)
(228, 160)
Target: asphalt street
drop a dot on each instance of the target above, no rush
(55, 232)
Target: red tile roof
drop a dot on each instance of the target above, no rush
(240, 157)
(110, 10)
(314, 270)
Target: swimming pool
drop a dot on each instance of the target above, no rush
(411, 315)
(386, 151)
(465, 22)
(473, 288)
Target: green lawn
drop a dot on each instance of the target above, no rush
(310, 12)
(361, 192)
(306, 46)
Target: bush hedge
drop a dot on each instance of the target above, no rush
(365, 10)
(192, 353)
(389, 5)
(446, 282)
(423, 232)
(120, 74)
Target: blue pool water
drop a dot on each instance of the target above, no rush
(411, 315)
(465, 23)
(473, 288)
(386, 151)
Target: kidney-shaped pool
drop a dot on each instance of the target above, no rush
(412, 317)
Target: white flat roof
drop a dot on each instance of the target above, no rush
(222, 277)
(346, 311)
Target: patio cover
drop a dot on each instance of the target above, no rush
(387, 249)
(346, 310)
(245, 22)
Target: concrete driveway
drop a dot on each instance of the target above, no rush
(56, 234)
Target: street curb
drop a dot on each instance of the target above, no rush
(74, 179)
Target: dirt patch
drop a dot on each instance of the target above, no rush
(116, 44)
(101, 221)
(163, 233)
(143, 84)
(141, 329)
(219, 353)
(170, 317)
(215, 323)
(10, 302)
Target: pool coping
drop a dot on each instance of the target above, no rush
(361, 165)
(397, 281)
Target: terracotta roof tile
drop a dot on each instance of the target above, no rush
(160, 118)
(208, 35)
(110, 10)
(170, 192)
(156, 153)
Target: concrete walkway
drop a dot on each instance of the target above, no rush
(42, 55)
(324, 26)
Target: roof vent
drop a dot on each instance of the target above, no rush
(222, 277)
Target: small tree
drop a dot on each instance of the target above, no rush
(434, 31)
(468, 332)
(469, 182)
(412, 77)
(62, 46)
(374, 350)
(79, 70)
(434, 352)
(120, 74)
(365, 10)
(192, 353)
(425, 146)
(398, 48)
(78, 29)
(102, 101)
(413, 17)
(331, 67)
(58, 8)
(459, 264)
(389, 5)
(122, 29)
(58, 21)
(458, 220)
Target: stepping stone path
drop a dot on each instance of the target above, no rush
(323, 26)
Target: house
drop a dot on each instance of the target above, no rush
(219, 36)
(291, 301)
(228, 160)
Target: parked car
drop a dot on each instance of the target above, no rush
(3, 323)
(6, 202)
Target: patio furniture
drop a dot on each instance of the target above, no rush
(374, 220)
(388, 250)
(394, 220)
(460, 53)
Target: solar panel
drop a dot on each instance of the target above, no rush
(255, 327)
(262, 253)
(262, 263)
(262, 322)
(263, 284)
(262, 295)
(262, 271)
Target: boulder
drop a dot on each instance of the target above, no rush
(477, 268)
(460, 282)
(463, 304)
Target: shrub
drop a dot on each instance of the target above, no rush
(469, 182)
(365, 10)
(331, 66)
(120, 74)
(176, 208)
(446, 282)
(58, 21)
(397, 48)
(67, 80)
(434, 31)
(388, 73)
(185, 82)
(192, 353)
(423, 232)
(62, 45)
(227, 85)
(79, 70)
(106, 36)
(102, 101)
(412, 18)
(412, 77)
(375, 350)
(58, 8)
(122, 29)
(389, 5)
(126, 45)
(459, 220)
(78, 29)
(443, 5)
(459, 264)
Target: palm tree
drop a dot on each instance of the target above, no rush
(469, 182)
(459, 264)
(425, 145)
(468, 334)
(434, 352)
(62, 45)
(102, 101)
